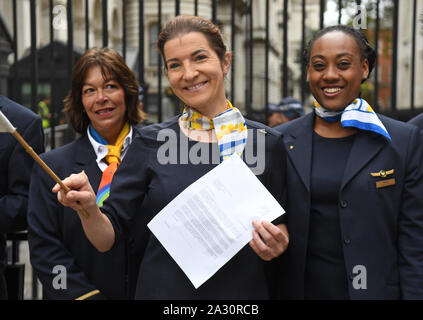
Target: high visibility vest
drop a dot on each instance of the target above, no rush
(44, 112)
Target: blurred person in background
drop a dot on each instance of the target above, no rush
(288, 109)
(15, 170)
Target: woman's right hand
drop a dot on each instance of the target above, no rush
(81, 194)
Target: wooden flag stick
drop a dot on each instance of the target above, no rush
(46, 168)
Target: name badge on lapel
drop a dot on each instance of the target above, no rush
(385, 183)
(384, 174)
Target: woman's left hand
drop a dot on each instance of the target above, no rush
(269, 241)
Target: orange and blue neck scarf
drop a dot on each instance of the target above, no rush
(359, 114)
(112, 159)
(231, 130)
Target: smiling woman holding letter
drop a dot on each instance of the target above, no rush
(209, 130)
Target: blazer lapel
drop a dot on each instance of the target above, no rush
(365, 147)
(298, 144)
(86, 160)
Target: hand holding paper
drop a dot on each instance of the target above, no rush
(269, 241)
(211, 220)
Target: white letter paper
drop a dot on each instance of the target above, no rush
(211, 220)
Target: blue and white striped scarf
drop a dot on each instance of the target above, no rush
(359, 114)
(231, 130)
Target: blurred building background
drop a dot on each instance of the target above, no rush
(266, 48)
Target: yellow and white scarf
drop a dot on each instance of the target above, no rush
(231, 130)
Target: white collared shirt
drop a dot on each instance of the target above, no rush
(101, 150)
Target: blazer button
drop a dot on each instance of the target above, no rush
(347, 240)
(343, 203)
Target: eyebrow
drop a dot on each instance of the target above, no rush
(192, 55)
(85, 83)
(337, 56)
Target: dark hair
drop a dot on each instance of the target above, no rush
(182, 24)
(366, 50)
(113, 67)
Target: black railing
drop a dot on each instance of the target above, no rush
(246, 51)
(15, 271)
(250, 42)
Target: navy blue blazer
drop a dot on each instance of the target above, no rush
(417, 121)
(381, 219)
(143, 186)
(15, 168)
(56, 236)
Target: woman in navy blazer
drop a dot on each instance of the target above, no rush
(196, 61)
(103, 97)
(355, 185)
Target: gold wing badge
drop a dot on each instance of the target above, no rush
(384, 174)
